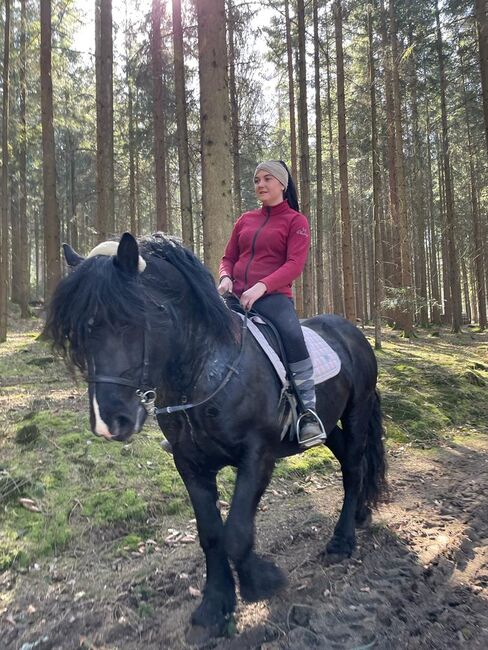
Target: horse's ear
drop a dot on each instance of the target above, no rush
(128, 254)
(71, 256)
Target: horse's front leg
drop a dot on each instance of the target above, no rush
(219, 597)
(258, 578)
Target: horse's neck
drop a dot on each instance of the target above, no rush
(195, 362)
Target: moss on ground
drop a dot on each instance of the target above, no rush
(78, 485)
(425, 390)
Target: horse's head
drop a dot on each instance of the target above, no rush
(97, 319)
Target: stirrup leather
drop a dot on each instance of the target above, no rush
(322, 436)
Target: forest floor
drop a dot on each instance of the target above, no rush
(98, 548)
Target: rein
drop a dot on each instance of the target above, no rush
(148, 396)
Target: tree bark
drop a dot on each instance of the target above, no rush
(418, 199)
(105, 216)
(481, 13)
(4, 243)
(73, 220)
(159, 125)
(308, 297)
(334, 228)
(319, 214)
(130, 116)
(450, 216)
(291, 94)
(52, 262)
(394, 274)
(347, 265)
(182, 129)
(215, 130)
(475, 215)
(234, 110)
(405, 315)
(434, 268)
(376, 175)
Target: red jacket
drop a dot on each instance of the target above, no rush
(268, 245)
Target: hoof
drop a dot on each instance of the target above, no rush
(341, 546)
(259, 579)
(364, 517)
(200, 636)
(214, 612)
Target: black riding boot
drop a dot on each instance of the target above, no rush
(310, 430)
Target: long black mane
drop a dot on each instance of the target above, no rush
(99, 292)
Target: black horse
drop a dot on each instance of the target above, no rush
(168, 329)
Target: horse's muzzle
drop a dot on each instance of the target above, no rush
(120, 426)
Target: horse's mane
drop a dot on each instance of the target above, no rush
(98, 290)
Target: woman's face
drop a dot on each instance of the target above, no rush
(268, 189)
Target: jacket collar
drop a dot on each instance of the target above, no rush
(275, 209)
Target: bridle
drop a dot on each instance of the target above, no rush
(147, 395)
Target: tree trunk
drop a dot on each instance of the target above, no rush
(347, 267)
(162, 223)
(215, 130)
(52, 266)
(13, 192)
(394, 273)
(334, 229)
(319, 214)
(291, 94)
(418, 200)
(308, 297)
(434, 268)
(481, 12)
(105, 216)
(4, 243)
(450, 216)
(475, 215)
(406, 314)
(130, 116)
(37, 254)
(375, 172)
(73, 219)
(234, 110)
(182, 129)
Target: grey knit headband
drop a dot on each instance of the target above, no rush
(276, 170)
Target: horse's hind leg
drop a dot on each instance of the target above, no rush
(219, 598)
(258, 578)
(351, 458)
(337, 445)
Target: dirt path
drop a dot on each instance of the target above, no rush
(419, 578)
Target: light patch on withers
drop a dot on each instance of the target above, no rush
(110, 248)
(101, 429)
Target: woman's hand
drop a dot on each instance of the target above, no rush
(225, 286)
(250, 296)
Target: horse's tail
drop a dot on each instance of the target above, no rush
(375, 485)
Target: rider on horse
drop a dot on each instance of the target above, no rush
(266, 252)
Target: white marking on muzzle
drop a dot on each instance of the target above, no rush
(101, 428)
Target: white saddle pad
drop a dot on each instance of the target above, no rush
(326, 362)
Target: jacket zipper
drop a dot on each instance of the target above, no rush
(268, 214)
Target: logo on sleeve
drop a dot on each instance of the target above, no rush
(302, 231)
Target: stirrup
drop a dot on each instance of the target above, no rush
(310, 442)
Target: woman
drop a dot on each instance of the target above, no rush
(266, 251)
